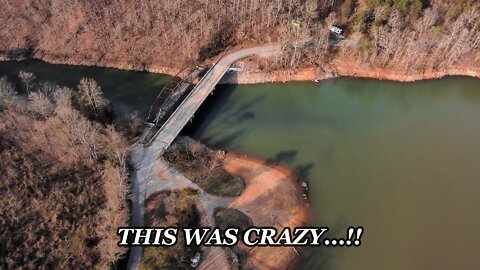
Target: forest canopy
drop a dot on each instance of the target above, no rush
(178, 33)
(63, 187)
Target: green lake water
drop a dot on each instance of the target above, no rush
(400, 159)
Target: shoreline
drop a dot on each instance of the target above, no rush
(347, 67)
(277, 188)
(308, 75)
(337, 68)
(285, 208)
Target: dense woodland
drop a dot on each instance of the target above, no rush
(410, 34)
(419, 35)
(62, 163)
(63, 188)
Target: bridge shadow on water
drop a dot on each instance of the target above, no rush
(219, 109)
(214, 108)
(211, 108)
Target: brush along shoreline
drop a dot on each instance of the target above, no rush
(337, 67)
(272, 196)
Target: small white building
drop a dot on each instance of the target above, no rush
(336, 30)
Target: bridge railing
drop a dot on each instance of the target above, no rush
(194, 90)
(170, 87)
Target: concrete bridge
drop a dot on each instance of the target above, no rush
(145, 158)
(185, 111)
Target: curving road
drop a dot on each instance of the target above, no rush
(145, 178)
(169, 131)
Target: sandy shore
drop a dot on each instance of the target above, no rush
(272, 197)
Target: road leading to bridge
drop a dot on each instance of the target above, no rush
(145, 158)
(169, 131)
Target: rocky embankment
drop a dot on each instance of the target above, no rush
(345, 67)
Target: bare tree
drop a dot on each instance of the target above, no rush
(62, 96)
(6, 89)
(90, 94)
(27, 79)
(47, 88)
(380, 12)
(321, 42)
(429, 19)
(296, 27)
(331, 19)
(64, 176)
(40, 104)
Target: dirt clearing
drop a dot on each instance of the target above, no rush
(272, 197)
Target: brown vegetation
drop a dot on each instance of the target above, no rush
(231, 218)
(416, 39)
(138, 34)
(411, 35)
(204, 167)
(406, 36)
(63, 182)
(276, 189)
(171, 209)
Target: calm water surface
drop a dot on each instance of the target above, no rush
(127, 90)
(401, 160)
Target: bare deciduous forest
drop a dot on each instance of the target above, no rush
(410, 34)
(63, 187)
(417, 37)
(63, 164)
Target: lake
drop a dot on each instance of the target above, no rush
(400, 159)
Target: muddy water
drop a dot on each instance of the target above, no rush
(127, 90)
(401, 160)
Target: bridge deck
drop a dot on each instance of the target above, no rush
(180, 117)
(144, 180)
